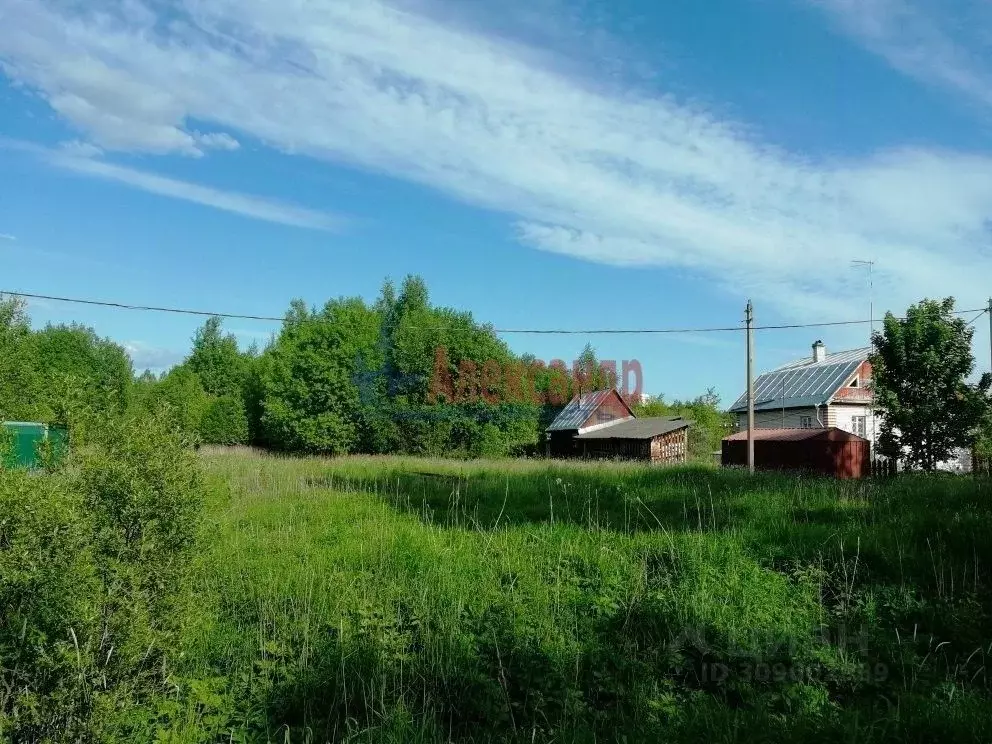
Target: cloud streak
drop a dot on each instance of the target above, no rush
(255, 207)
(945, 45)
(5, 236)
(246, 205)
(580, 167)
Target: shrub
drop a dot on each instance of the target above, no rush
(224, 421)
(93, 559)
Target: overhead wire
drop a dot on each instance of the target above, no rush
(972, 321)
(535, 331)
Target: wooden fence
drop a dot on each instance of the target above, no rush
(884, 468)
(980, 466)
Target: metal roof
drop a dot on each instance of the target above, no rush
(792, 435)
(795, 435)
(803, 382)
(638, 428)
(778, 435)
(578, 410)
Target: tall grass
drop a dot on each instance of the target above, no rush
(400, 599)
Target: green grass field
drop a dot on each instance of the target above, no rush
(406, 600)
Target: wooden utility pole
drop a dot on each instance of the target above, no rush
(749, 321)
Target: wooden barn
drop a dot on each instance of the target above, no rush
(830, 451)
(601, 425)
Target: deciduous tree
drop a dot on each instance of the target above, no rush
(921, 365)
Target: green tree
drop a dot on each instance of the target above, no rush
(18, 377)
(311, 400)
(71, 361)
(181, 398)
(403, 412)
(216, 360)
(224, 421)
(590, 374)
(920, 367)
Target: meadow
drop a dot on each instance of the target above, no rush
(388, 599)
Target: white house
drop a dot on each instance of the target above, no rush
(823, 390)
(816, 391)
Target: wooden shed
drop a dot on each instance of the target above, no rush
(601, 425)
(827, 451)
(655, 439)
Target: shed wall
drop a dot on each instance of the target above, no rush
(839, 459)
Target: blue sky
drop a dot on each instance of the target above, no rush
(545, 164)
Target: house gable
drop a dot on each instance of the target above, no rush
(856, 388)
(611, 410)
(590, 410)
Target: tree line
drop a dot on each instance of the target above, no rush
(348, 377)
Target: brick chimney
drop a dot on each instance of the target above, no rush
(819, 351)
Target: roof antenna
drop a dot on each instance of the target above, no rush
(871, 304)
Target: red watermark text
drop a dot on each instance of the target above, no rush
(534, 382)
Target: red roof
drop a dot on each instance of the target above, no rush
(793, 435)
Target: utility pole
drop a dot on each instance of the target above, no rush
(749, 322)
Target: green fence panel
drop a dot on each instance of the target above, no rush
(29, 438)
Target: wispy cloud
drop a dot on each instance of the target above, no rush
(580, 167)
(5, 236)
(247, 205)
(947, 44)
(230, 201)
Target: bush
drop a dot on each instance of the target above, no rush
(179, 396)
(93, 561)
(224, 422)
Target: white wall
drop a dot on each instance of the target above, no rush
(774, 420)
(839, 415)
(842, 416)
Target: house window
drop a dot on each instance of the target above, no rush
(854, 383)
(860, 425)
(806, 422)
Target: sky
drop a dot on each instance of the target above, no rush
(545, 164)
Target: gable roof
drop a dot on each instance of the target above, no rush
(803, 382)
(638, 428)
(581, 407)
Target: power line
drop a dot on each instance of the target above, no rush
(123, 306)
(547, 331)
(972, 321)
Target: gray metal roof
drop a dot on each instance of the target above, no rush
(578, 410)
(803, 382)
(638, 428)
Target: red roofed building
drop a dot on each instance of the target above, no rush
(830, 451)
(601, 425)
